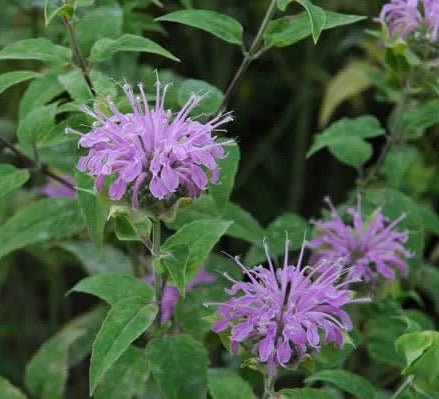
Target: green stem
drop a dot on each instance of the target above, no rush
(82, 63)
(269, 380)
(158, 280)
(44, 169)
(250, 55)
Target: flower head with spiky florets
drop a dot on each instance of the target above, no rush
(286, 312)
(151, 147)
(404, 17)
(370, 249)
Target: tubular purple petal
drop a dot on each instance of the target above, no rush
(367, 250)
(150, 146)
(283, 312)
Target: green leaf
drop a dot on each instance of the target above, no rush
(212, 97)
(11, 178)
(46, 373)
(345, 139)
(346, 381)
(383, 331)
(126, 378)
(287, 225)
(222, 26)
(421, 353)
(183, 361)
(228, 166)
(114, 287)
(125, 322)
(397, 164)
(36, 49)
(289, 30)
(201, 208)
(53, 8)
(307, 393)
(126, 231)
(104, 84)
(95, 208)
(76, 86)
(199, 236)
(427, 281)
(9, 79)
(39, 92)
(347, 83)
(429, 218)
(175, 262)
(419, 118)
(99, 23)
(131, 225)
(104, 48)
(226, 384)
(44, 220)
(317, 18)
(37, 124)
(8, 391)
(282, 4)
(245, 226)
(352, 151)
(105, 260)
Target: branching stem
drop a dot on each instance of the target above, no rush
(35, 164)
(80, 60)
(253, 53)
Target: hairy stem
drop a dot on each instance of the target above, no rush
(269, 380)
(44, 169)
(250, 55)
(80, 60)
(158, 280)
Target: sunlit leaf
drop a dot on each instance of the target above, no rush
(104, 48)
(219, 25)
(40, 49)
(125, 322)
(113, 287)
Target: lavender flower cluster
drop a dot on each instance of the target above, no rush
(284, 313)
(294, 310)
(404, 17)
(152, 147)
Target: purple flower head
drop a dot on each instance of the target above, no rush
(431, 14)
(369, 248)
(404, 17)
(151, 147)
(286, 312)
(171, 294)
(55, 189)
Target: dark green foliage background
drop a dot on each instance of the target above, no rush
(277, 108)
